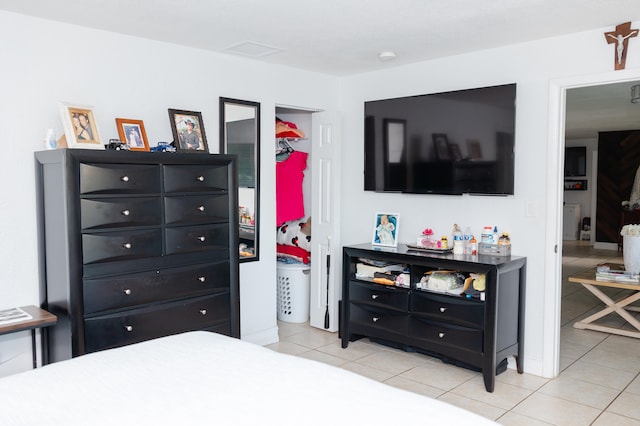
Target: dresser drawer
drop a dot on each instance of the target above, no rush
(448, 308)
(125, 291)
(446, 334)
(188, 239)
(118, 212)
(195, 178)
(196, 209)
(373, 317)
(375, 294)
(111, 246)
(161, 320)
(119, 178)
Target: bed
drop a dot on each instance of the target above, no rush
(206, 378)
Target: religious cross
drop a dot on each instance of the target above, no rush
(621, 39)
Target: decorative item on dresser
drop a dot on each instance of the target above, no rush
(477, 331)
(136, 245)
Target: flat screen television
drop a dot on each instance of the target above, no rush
(575, 161)
(442, 143)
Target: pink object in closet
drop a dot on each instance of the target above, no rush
(289, 176)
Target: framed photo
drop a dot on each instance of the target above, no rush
(475, 149)
(385, 229)
(441, 145)
(133, 134)
(80, 128)
(188, 131)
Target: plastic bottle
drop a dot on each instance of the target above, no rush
(467, 240)
(473, 246)
(50, 141)
(495, 235)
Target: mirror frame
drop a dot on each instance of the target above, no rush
(224, 102)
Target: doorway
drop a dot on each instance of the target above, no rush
(559, 125)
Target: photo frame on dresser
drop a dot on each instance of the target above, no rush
(80, 126)
(133, 134)
(188, 131)
(385, 229)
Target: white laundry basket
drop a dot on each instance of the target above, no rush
(294, 281)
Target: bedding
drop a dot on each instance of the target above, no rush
(204, 378)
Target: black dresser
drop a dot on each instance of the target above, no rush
(473, 332)
(136, 245)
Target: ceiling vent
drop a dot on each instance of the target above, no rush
(252, 49)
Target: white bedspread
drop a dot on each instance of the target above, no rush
(202, 378)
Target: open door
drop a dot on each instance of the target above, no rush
(326, 250)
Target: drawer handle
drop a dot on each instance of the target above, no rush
(203, 311)
(375, 296)
(129, 328)
(443, 309)
(125, 212)
(201, 208)
(127, 291)
(375, 319)
(127, 245)
(441, 335)
(200, 178)
(202, 279)
(125, 178)
(201, 238)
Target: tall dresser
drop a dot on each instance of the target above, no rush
(136, 245)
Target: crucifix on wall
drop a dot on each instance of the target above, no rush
(621, 37)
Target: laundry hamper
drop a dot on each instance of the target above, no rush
(294, 281)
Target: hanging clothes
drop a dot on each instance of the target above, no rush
(289, 196)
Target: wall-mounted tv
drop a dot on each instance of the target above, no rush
(442, 143)
(575, 161)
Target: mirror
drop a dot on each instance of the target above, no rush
(240, 135)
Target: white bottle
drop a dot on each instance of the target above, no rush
(50, 141)
(467, 240)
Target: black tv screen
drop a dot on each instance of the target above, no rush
(443, 143)
(575, 161)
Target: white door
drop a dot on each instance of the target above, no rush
(326, 250)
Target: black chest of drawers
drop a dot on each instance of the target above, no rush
(475, 333)
(136, 245)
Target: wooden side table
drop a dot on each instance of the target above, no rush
(621, 307)
(40, 319)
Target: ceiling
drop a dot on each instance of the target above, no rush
(344, 37)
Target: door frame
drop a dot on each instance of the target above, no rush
(553, 234)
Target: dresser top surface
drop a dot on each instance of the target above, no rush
(403, 250)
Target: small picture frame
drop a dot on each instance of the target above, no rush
(441, 146)
(133, 134)
(475, 149)
(385, 229)
(80, 127)
(188, 131)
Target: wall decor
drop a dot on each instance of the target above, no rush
(133, 134)
(385, 229)
(188, 131)
(620, 37)
(80, 128)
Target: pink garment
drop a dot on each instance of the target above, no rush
(289, 176)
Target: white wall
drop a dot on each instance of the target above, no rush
(44, 62)
(532, 216)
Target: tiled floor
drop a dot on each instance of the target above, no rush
(599, 382)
